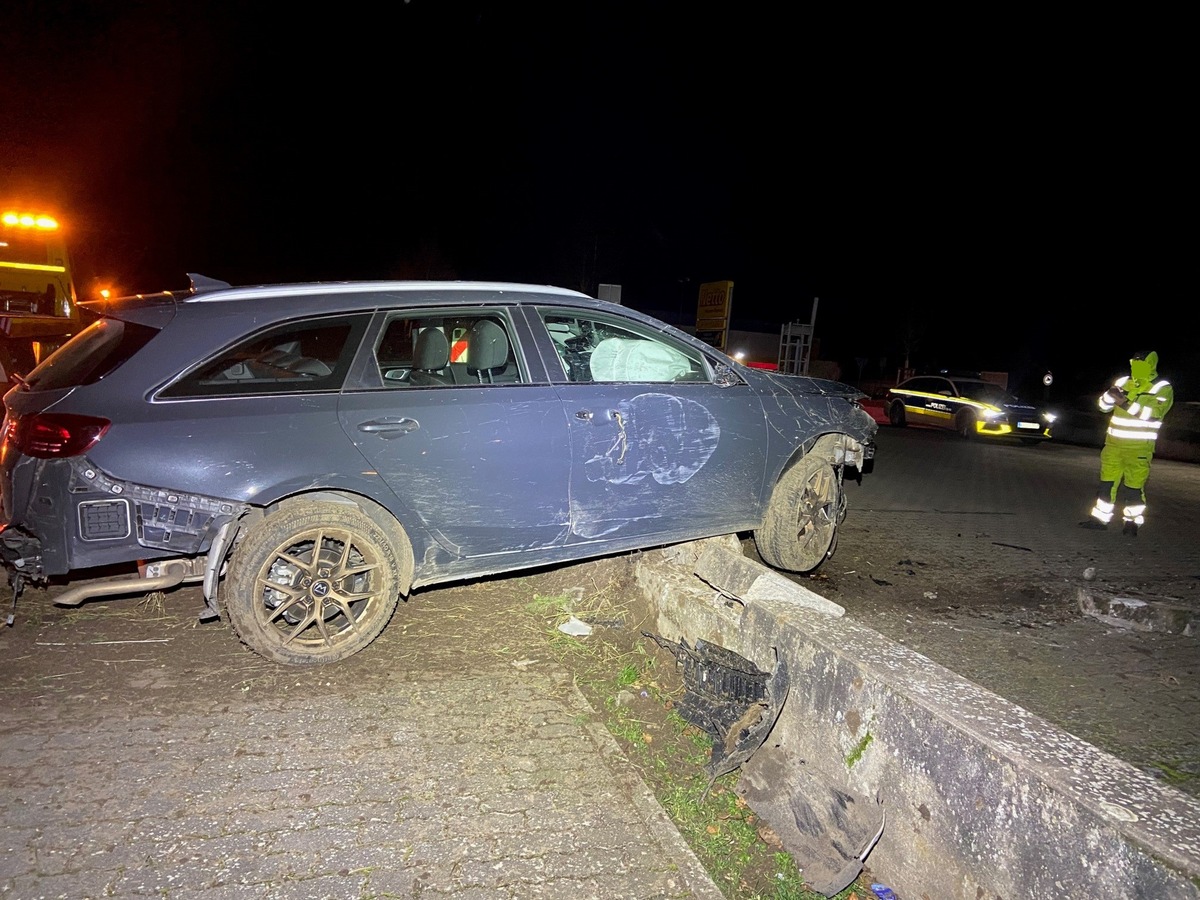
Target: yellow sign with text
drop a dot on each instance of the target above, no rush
(712, 309)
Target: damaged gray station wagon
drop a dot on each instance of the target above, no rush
(313, 453)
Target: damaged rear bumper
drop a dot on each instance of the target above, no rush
(82, 518)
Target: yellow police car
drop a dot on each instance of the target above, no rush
(968, 404)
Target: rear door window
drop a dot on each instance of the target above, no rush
(447, 348)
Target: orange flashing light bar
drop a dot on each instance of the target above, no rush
(28, 220)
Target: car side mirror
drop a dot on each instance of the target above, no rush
(724, 376)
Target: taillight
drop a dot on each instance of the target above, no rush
(55, 435)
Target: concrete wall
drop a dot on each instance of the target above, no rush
(982, 799)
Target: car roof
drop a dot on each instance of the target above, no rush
(338, 296)
(205, 289)
(267, 303)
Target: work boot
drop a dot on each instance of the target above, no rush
(1130, 529)
(1093, 524)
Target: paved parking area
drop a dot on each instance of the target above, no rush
(149, 760)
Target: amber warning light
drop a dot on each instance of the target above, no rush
(27, 220)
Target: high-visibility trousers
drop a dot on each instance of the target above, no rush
(1124, 470)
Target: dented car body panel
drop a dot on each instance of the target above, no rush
(489, 427)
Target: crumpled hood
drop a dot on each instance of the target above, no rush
(803, 384)
(793, 403)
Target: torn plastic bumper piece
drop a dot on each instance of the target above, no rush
(728, 697)
(826, 827)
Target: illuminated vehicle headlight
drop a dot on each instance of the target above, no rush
(1049, 417)
(992, 414)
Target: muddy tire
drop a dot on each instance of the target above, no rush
(315, 582)
(799, 531)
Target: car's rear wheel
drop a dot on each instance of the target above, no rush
(799, 531)
(964, 424)
(314, 582)
(896, 414)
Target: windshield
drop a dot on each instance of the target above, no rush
(985, 392)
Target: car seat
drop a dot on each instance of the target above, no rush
(487, 351)
(431, 356)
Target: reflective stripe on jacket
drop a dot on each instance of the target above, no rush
(1142, 420)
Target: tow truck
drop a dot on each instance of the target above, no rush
(38, 310)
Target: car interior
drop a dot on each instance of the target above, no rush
(446, 352)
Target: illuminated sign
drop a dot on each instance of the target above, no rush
(712, 312)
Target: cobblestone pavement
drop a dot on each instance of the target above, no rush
(145, 756)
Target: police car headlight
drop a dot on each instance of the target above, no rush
(992, 414)
(1049, 417)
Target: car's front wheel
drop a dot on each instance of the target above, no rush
(314, 582)
(964, 423)
(799, 531)
(896, 414)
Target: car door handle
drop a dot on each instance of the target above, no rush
(389, 428)
(584, 414)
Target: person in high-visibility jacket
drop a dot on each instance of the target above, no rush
(1138, 403)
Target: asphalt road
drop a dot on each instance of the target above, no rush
(972, 501)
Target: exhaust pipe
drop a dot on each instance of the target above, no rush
(133, 584)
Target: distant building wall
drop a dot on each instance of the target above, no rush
(755, 346)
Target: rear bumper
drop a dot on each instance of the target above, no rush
(66, 514)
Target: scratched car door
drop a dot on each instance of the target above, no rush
(480, 458)
(658, 448)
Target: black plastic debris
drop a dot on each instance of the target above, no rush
(826, 827)
(729, 697)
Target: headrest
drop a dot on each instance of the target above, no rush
(487, 347)
(432, 351)
(309, 366)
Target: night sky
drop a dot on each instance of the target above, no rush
(1007, 191)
